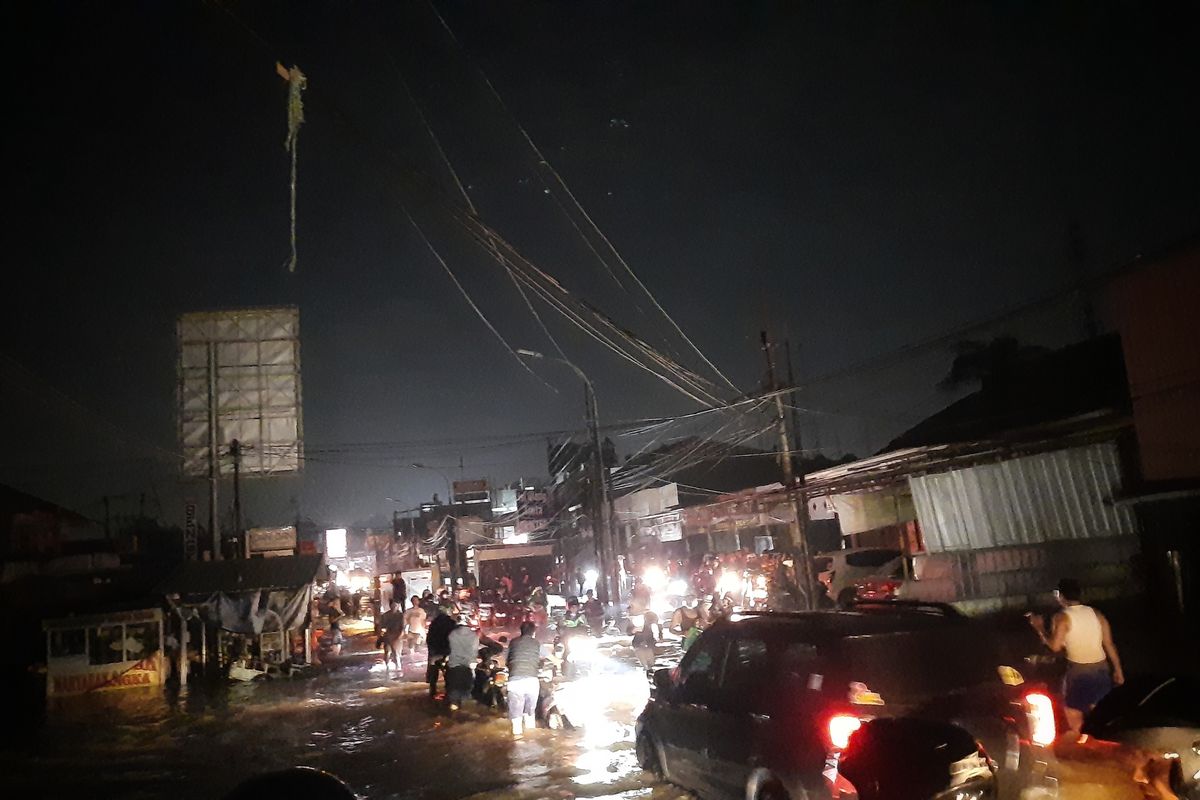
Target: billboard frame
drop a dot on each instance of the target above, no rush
(239, 380)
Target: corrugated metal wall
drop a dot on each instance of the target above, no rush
(1060, 495)
(980, 581)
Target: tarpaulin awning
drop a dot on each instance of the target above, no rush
(248, 595)
(258, 611)
(242, 574)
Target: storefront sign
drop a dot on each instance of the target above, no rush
(116, 676)
(189, 531)
(262, 540)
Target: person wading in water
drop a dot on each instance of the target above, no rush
(1093, 664)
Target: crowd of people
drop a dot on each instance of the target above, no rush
(443, 627)
(446, 631)
(666, 600)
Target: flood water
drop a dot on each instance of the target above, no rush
(383, 736)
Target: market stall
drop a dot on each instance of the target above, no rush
(250, 615)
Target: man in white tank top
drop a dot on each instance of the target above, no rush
(1083, 633)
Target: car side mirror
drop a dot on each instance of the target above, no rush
(663, 685)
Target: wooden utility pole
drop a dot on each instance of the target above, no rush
(794, 486)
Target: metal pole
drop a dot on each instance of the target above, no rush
(183, 649)
(214, 519)
(602, 515)
(235, 450)
(795, 488)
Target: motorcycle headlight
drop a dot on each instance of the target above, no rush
(581, 648)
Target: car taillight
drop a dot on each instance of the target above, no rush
(840, 728)
(1040, 711)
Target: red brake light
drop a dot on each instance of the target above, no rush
(840, 728)
(1040, 711)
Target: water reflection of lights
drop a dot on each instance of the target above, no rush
(589, 702)
(595, 763)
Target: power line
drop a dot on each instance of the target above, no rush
(545, 164)
(498, 248)
(466, 296)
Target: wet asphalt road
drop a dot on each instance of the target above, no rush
(383, 736)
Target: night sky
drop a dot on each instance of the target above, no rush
(857, 176)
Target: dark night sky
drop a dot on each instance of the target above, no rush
(860, 175)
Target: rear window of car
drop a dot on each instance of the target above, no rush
(906, 666)
(871, 558)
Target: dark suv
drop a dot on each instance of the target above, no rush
(888, 697)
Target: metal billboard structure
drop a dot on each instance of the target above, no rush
(239, 382)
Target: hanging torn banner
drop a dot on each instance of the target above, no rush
(297, 83)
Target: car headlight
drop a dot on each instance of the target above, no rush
(729, 582)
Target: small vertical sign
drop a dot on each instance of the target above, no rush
(189, 531)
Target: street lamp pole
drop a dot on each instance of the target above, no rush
(451, 525)
(609, 588)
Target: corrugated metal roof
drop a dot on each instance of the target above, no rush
(1064, 494)
(889, 468)
(242, 575)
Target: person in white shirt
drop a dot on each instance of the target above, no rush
(414, 626)
(1093, 664)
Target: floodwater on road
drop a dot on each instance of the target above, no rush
(384, 737)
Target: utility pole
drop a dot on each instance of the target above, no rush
(1079, 259)
(451, 524)
(214, 462)
(602, 528)
(602, 517)
(795, 415)
(452, 549)
(795, 488)
(235, 450)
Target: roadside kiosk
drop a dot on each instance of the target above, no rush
(100, 652)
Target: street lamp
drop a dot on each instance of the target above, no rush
(451, 524)
(445, 477)
(609, 588)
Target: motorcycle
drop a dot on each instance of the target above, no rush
(491, 679)
(548, 675)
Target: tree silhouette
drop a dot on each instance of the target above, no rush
(983, 362)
